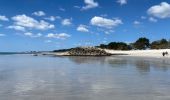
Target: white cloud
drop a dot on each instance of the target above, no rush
(57, 17)
(62, 9)
(32, 35)
(82, 28)
(38, 35)
(90, 4)
(18, 28)
(143, 17)
(53, 18)
(106, 31)
(26, 21)
(47, 41)
(122, 2)
(109, 31)
(28, 34)
(3, 18)
(103, 15)
(58, 36)
(104, 22)
(152, 19)
(1, 35)
(78, 7)
(39, 13)
(66, 22)
(136, 22)
(160, 11)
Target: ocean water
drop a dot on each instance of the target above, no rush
(26, 77)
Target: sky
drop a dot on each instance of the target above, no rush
(33, 25)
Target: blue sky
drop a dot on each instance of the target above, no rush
(55, 24)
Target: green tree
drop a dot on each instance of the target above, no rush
(103, 46)
(160, 44)
(118, 46)
(163, 41)
(155, 45)
(142, 43)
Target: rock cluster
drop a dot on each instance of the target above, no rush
(87, 51)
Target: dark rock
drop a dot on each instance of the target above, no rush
(87, 51)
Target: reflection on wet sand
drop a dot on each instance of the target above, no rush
(142, 64)
(83, 78)
(146, 64)
(86, 59)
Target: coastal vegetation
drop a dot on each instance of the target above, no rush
(140, 44)
(160, 44)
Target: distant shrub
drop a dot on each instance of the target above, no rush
(116, 46)
(160, 44)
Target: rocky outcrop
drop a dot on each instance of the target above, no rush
(87, 51)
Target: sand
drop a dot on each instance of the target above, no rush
(142, 53)
(131, 53)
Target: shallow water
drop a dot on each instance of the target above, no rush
(25, 77)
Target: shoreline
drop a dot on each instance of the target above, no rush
(141, 53)
(131, 53)
(116, 53)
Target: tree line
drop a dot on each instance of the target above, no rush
(140, 44)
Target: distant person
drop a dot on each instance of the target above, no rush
(166, 53)
(163, 54)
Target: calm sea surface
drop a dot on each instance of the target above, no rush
(25, 77)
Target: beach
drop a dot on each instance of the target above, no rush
(26, 77)
(141, 53)
(132, 53)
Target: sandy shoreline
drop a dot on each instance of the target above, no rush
(142, 53)
(130, 53)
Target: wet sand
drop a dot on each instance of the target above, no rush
(26, 77)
